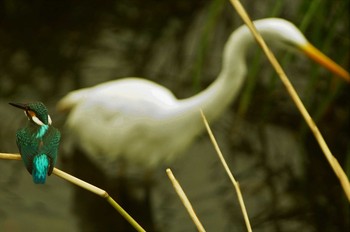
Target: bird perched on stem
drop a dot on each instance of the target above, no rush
(144, 123)
(38, 142)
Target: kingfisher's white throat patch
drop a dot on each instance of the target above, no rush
(37, 120)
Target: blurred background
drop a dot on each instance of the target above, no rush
(48, 48)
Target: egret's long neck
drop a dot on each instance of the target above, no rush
(215, 99)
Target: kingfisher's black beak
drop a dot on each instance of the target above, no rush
(19, 105)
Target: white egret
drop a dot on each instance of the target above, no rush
(144, 123)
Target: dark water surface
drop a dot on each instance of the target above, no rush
(50, 48)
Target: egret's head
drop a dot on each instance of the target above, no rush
(280, 31)
(36, 112)
(285, 33)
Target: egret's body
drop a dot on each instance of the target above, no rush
(145, 123)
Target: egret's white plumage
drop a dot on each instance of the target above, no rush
(145, 123)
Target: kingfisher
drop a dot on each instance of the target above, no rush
(38, 142)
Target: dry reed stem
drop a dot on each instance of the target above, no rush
(229, 173)
(344, 181)
(184, 200)
(100, 192)
(10, 156)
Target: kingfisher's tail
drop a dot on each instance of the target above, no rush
(40, 168)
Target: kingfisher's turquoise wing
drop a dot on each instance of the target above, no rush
(27, 147)
(51, 142)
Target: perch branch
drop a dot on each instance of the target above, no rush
(100, 192)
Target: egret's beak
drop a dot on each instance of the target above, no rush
(19, 105)
(322, 59)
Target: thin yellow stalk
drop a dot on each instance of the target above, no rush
(9, 156)
(185, 200)
(229, 173)
(344, 181)
(100, 192)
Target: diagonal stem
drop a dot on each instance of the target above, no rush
(229, 173)
(344, 181)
